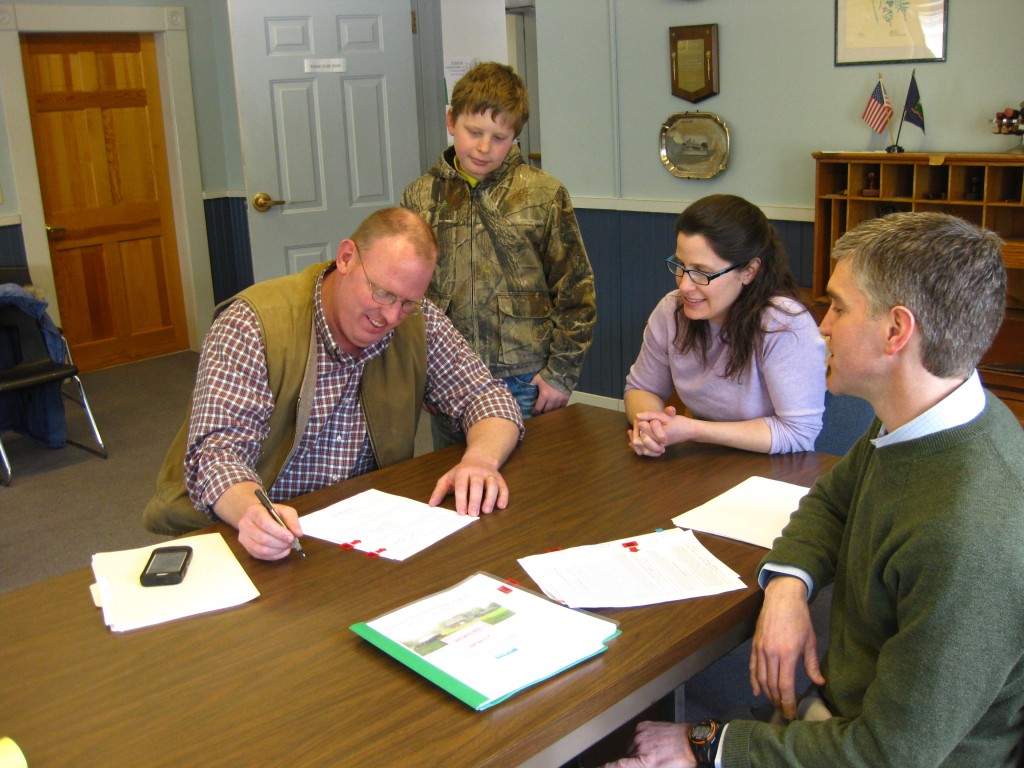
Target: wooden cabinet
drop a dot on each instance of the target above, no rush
(985, 189)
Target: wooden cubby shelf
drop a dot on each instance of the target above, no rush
(985, 189)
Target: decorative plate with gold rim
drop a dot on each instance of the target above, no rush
(694, 145)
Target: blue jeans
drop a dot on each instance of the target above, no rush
(444, 433)
(523, 391)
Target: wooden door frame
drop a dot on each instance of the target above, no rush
(167, 23)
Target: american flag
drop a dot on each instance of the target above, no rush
(878, 110)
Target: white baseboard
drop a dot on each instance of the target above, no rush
(599, 400)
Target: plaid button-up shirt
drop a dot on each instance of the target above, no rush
(232, 404)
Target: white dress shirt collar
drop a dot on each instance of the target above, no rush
(958, 407)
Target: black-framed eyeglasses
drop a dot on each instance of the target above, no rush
(386, 297)
(696, 276)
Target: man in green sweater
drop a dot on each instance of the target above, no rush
(920, 526)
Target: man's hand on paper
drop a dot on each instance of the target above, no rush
(478, 488)
(476, 482)
(783, 636)
(659, 745)
(258, 532)
(262, 537)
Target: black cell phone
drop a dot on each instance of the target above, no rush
(166, 565)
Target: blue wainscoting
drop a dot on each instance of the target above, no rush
(227, 232)
(627, 251)
(12, 246)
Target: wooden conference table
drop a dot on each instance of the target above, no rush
(283, 681)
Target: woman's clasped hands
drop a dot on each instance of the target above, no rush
(654, 431)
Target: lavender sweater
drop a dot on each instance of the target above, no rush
(784, 383)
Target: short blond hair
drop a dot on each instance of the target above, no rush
(398, 222)
(492, 87)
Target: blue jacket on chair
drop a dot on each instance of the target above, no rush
(38, 412)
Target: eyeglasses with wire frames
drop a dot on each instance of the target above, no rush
(386, 297)
(696, 276)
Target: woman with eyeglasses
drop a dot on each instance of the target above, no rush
(733, 341)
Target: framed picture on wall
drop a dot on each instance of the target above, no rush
(876, 31)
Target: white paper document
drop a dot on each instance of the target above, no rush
(215, 580)
(383, 524)
(652, 568)
(755, 511)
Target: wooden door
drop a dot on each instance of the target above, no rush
(94, 103)
(327, 111)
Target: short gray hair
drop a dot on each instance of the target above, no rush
(948, 272)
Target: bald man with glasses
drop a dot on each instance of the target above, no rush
(309, 379)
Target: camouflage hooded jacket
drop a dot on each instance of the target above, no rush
(512, 273)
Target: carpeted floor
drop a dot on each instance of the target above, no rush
(65, 505)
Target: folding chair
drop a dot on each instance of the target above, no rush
(27, 364)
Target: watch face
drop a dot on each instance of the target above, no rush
(701, 731)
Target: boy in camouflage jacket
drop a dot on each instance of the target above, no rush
(512, 271)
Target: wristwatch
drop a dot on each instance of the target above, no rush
(704, 736)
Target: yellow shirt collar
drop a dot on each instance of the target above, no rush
(470, 179)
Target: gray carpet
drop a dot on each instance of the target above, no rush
(65, 505)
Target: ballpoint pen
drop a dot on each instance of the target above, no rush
(265, 501)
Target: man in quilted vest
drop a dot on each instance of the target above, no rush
(312, 378)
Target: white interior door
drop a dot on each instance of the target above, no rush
(327, 108)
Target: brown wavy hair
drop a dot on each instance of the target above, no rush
(738, 232)
(493, 88)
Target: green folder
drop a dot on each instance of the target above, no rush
(484, 640)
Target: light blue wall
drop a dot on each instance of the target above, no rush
(605, 91)
(9, 204)
(213, 87)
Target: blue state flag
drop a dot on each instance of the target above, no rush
(913, 112)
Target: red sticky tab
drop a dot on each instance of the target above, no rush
(555, 549)
(346, 545)
(377, 552)
(513, 582)
(630, 545)
(506, 590)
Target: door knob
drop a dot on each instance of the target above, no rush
(54, 233)
(262, 202)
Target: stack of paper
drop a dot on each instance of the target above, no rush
(383, 524)
(215, 580)
(647, 569)
(484, 639)
(755, 511)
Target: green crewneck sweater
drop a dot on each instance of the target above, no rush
(925, 666)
